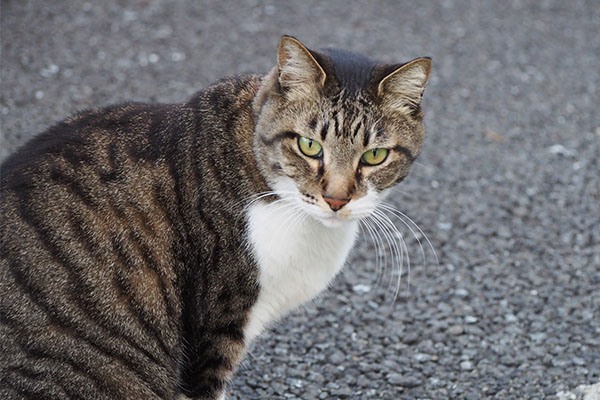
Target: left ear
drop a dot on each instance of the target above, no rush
(299, 73)
(402, 89)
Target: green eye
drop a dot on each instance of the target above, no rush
(309, 147)
(374, 157)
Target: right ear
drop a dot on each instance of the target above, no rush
(299, 73)
(402, 89)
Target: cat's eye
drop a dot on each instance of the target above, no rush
(374, 156)
(309, 147)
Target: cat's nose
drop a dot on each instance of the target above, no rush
(335, 203)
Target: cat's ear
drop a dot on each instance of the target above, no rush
(299, 73)
(403, 88)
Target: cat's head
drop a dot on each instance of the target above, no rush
(334, 129)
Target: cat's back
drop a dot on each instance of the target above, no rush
(100, 217)
(88, 137)
(78, 208)
(78, 182)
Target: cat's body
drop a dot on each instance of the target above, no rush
(111, 248)
(143, 247)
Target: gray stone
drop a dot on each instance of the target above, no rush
(455, 330)
(466, 365)
(403, 380)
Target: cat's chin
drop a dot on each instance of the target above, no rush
(332, 221)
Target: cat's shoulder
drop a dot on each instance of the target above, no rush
(222, 92)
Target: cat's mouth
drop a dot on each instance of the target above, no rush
(334, 219)
(321, 210)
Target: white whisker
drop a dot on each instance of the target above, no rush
(384, 259)
(392, 249)
(396, 256)
(401, 215)
(402, 192)
(386, 208)
(258, 196)
(379, 254)
(386, 230)
(261, 195)
(404, 248)
(254, 198)
(394, 236)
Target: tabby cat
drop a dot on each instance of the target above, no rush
(143, 247)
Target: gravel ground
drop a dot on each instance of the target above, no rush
(507, 188)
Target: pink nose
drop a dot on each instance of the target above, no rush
(335, 204)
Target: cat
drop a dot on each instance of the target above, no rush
(144, 247)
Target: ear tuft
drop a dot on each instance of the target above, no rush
(402, 89)
(299, 73)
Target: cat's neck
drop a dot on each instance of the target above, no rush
(231, 125)
(219, 151)
(297, 256)
(210, 159)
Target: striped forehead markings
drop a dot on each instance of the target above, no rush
(334, 118)
(344, 120)
(351, 127)
(347, 122)
(357, 126)
(366, 136)
(372, 133)
(324, 130)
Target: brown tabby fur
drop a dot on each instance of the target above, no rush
(113, 250)
(124, 267)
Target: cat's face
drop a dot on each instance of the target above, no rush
(332, 135)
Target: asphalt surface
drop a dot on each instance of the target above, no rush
(507, 188)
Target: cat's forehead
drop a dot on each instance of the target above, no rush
(348, 95)
(352, 72)
(336, 118)
(344, 120)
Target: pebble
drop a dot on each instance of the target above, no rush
(50, 70)
(337, 357)
(422, 357)
(510, 318)
(561, 150)
(466, 365)
(402, 380)
(455, 330)
(410, 337)
(361, 288)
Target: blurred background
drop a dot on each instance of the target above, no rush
(507, 188)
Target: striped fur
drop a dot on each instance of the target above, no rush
(126, 270)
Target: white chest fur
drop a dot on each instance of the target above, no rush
(297, 260)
